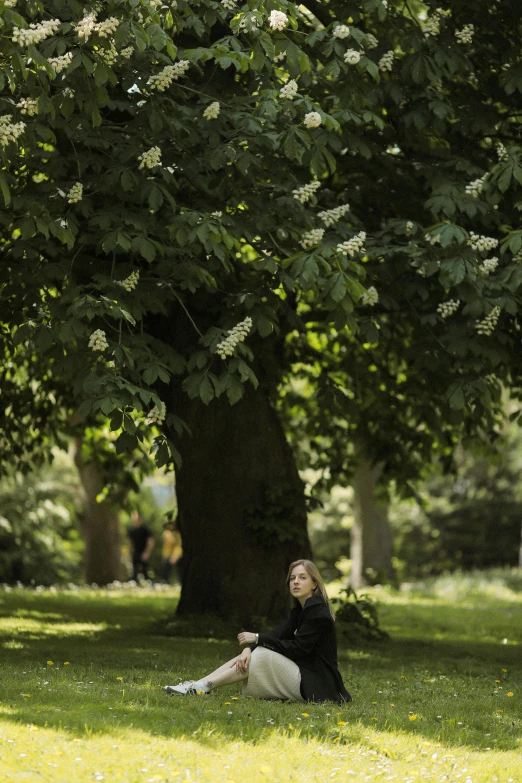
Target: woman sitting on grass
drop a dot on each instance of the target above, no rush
(297, 661)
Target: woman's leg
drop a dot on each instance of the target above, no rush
(226, 674)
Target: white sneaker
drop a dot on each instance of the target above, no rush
(187, 688)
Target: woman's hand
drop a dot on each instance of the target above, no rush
(242, 662)
(245, 637)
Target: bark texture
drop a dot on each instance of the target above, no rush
(242, 512)
(371, 543)
(101, 526)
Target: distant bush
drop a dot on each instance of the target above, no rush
(40, 540)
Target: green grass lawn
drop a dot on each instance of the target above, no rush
(81, 699)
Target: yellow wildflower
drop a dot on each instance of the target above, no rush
(66, 663)
(341, 723)
(119, 678)
(413, 717)
(511, 693)
(49, 663)
(304, 714)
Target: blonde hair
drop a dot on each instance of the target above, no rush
(313, 572)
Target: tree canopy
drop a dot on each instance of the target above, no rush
(233, 194)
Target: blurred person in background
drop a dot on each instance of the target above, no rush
(142, 544)
(172, 553)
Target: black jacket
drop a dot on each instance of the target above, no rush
(308, 638)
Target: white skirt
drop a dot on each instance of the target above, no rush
(272, 676)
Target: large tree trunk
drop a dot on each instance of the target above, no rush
(101, 525)
(242, 511)
(371, 543)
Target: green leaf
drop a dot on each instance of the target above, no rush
(457, 400)
(4, 187)
(206, 390)
(157, 36)
(257, 58)
(336, 287)
(126, 442)
(101, 74)
(140, 36)
(264, 326)
(122, 35)
(234, 389)
(457, 270)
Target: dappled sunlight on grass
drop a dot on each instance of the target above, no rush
(31, 628)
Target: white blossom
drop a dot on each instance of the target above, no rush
(489, 265)
(518, 256)
(235, 336)
(305, 192)
(352, 57)
(108, 27)
(10, 3)
(170, 73)
(289, 90)
(9, 131)
(68, 93)
(409, 228)
(502, 152)
(127, 52)
(86, 26)
(98, 341)
(212, 111)
(157, 414)
(312, 120)
(76, 193)
(35, 33)
(60, 63)
(279, 57)
(370, 297)
(371, 41)
(278, 20)
(341, 31)
(311, 238)
(130, 282)
(218, 214)
(488, 324)
(432, 26)
(109, 54)
(150, 158)
(466, 34)
(386, 61)
(353, 245)
(229, 5)
(476, 187)
(481, 243)
(28, 106)
(433, 239)
(446, 309)
(249, 22)
(330, 216)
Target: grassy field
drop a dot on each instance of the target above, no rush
(81, 699)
